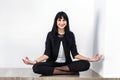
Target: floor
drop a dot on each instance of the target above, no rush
(27, 74)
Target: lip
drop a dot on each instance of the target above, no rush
(61, 25)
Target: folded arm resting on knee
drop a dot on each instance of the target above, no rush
(96, 58)
(26, 60)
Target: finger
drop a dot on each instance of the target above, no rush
(100, 56)
(95, 56)
(27, 58)
(24, 61)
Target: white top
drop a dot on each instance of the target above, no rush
(61, 54)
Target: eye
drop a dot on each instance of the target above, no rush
(64, 20)
(58, 19)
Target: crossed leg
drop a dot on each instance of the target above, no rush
(48, 68)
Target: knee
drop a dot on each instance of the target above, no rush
(87, 65)
(39, 69)
(84, 64)
(35, 68)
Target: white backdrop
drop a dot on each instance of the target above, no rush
(24, 25)
(109, 39)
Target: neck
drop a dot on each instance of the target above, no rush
(61, 31)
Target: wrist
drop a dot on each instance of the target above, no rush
(35, 61)
(88, 59)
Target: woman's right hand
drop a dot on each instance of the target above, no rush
(27, 61)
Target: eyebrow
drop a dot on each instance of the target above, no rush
(62, 18)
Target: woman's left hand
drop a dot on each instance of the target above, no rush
(96, 58)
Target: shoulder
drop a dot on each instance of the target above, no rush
(71, 34)
(49, 33)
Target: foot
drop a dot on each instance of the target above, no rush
(75, 73)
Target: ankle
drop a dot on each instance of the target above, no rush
(63, 68)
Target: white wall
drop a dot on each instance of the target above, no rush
(110, 41)
(24, 25)
(99, 34)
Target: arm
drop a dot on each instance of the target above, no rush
(42, 58)
(27, 61)
(96, 58)
(75, 54)
(45, 56)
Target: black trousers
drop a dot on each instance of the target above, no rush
(47, 68)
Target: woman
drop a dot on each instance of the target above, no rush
(59, 43)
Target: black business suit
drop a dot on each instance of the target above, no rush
(51, 50)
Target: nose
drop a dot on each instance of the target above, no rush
(62, 22)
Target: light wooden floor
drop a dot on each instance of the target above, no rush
(27, 74)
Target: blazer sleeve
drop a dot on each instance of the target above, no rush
(73, 46)
(47, 45)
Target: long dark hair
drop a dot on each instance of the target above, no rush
(55, 27)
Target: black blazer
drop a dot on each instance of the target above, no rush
(52, 45)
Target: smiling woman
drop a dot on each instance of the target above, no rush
(57, 51)
(24, 25)
(61, 23)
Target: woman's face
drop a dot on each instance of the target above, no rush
(61, 23)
